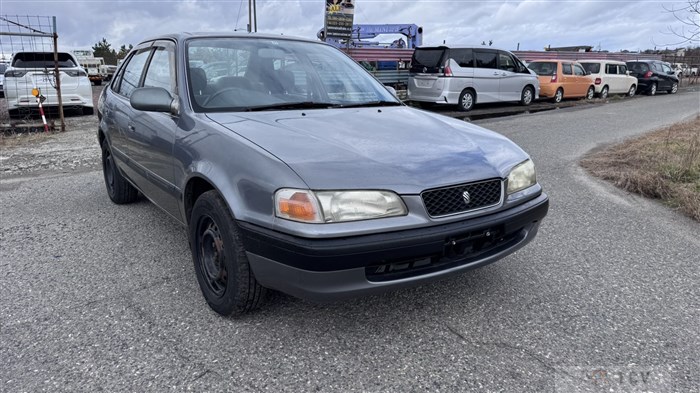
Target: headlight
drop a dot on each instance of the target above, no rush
(337, 206)
(521, 177)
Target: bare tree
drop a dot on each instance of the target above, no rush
(689, 17)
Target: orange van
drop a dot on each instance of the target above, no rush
(561, 79)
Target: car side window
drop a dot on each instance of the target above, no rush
(463, 57)
(485, 58)
(666, 68)
(622, 69)
(611, 69)
(566, 69)
(506, 62)
(578, 70)
(131, 77)
(160, 71)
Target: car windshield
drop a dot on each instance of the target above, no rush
(543, 67)
(42, 60)
(241, 74)
(593, 68)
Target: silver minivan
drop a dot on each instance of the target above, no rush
(465, 76)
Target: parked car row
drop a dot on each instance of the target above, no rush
(465, 76)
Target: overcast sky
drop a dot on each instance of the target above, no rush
(611, 25)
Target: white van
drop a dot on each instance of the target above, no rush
(611, 77)
(465, 76)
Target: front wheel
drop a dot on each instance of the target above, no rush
(527, 96)
(590, 93)
(220, 261)
(632, 91)
(674, 88)
(466, 101)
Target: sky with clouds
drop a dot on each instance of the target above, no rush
(533, 24)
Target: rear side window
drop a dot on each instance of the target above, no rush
(593, 68)
(131, 77)
(463, 57)
(486, 59)
(566, 69)
(611, 69)
(543, 67)
(42, 60)
(429, 59)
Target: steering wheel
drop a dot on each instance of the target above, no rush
(217, 94)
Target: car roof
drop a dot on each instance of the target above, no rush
(610, 61)
(182, 36)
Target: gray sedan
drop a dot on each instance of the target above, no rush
(295, 170)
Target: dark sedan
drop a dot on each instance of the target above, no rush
(294, 169)
(653, 76)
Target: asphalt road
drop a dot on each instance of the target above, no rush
(95, 296)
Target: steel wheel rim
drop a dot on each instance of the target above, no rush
(212, 257)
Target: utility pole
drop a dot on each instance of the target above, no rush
(252, 17)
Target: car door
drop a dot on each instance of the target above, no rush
(118, 105)
(583, 81)
(511, 81)
(487, 76)
(152, 134)
(667, 75)
(571, 89)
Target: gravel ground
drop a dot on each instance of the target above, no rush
(73, 150)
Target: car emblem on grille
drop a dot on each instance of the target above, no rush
(467, 198)
(425, 69)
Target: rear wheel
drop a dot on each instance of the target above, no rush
(652, 90)
(590, 93)
(120, 191)
(220, 261)
(604, 92)
(88, 111)
(466, 100)
(558, 96)
(674, 88)
(527, 96)
(632, 91)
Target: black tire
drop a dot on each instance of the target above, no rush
(590, 93)
(97, 83)
(632, 91)
(558, 96)
(674, 88)
(220, 261)
(652, 90)
(423, 105)
(467, 99)
(120, 191)
(87, 111)
(527, 96)
(604, 92)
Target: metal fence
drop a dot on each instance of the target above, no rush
(27, 33)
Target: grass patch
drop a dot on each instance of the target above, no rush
(663, 164)
(14, 140)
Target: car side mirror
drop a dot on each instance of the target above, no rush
(154, 99)
(627, 73)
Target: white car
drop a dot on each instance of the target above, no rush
(29, 70)
(611, 77)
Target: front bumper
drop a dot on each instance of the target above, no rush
(332, 269)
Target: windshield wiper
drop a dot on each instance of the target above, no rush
(369, 104)
(291, 105)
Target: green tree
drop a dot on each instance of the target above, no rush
(123, 51)
(104, 49)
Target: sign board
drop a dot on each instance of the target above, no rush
(339, 17)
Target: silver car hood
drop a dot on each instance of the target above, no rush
(396, 148)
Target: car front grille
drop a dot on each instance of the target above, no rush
(463, 197)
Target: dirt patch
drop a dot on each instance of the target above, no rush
(664, 164)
